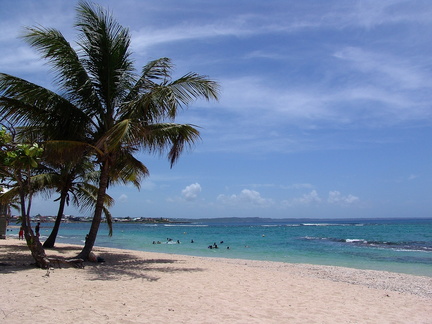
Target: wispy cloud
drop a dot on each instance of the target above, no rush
(337, 15)
(123, 198)
(313, 198)
(370, 13)
(246, 198)
(386, 69)
(307, 199)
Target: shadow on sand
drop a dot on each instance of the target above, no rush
(118, 265)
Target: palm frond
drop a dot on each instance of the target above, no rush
(27, 104)
(9, 196)
(128, 170)
(70, 73)
(153, 102)
(174, 137)
(71, 152)
(117, 135)
(183, 91)
(159, 69)
(153, 73)
(85, 195)
(106, 47)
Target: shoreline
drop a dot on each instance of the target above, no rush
(136, 287)
(375, 261)
(339, 245)
(416, 285)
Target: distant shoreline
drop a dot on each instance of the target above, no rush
(236, 220)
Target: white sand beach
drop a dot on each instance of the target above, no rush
(141, 287)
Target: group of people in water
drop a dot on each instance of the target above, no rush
(215, 246)
(168, 240)
(171, 241)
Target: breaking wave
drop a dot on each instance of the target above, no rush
(419, 246)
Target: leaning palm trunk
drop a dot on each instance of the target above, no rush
(33, 243)
(36, 248)
(97, 218)
(50, 241)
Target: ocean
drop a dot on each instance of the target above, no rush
(397, 245)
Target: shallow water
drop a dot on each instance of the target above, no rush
(399, 245)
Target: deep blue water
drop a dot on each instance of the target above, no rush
(399, 245)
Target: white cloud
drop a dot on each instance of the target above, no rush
(306, 199)
(123, 198)
(145, 37)
(313, 198)
(300, 186)
(191, 192)
(366, 14)
(390, 95)
(148, 185)
(386, 68)
(246, 197)
(371, 13)
(335, 197)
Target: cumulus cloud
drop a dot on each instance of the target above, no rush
(191, 192)
(246, 197)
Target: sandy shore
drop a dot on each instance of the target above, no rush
(141, 287)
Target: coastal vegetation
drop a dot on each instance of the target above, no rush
(101, 115)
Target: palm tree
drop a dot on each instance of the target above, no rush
(112, 111)
(73, 184)
(66, 172)
(19, 163)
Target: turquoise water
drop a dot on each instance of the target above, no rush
(394, 245)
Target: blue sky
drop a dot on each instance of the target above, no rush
(325, 109)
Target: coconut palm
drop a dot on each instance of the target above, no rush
(64, 171)
(112, 111)
(73, 184)
(68, 172)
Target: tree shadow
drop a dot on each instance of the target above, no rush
(117, 266)
(128, 266)
(15, 258)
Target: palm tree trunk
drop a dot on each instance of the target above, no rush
(50, 241)
(36, 248)
(33, 243)
(97, 218)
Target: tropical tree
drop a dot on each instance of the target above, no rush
(111, 111)
(73, 182)
(69, 174)
(19, 164)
